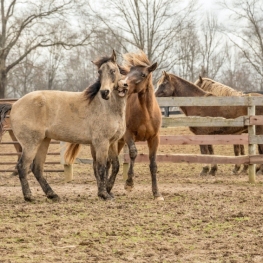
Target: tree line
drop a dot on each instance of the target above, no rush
(49, 44)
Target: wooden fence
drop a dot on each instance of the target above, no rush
(249, 120)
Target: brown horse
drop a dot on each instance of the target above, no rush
(143, 115)
(88, 117)
(171, 84)
(220, 89)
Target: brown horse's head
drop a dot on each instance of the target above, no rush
(164, 87)
(137, 69)
(109, 75)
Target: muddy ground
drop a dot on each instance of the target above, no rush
(203, 219)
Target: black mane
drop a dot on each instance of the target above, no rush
(92, 91)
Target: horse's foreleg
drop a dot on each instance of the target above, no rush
(38, 170)
(113, 156)
(133, 154)
(153, 144)
(93, 154)
(101, 169)
(204, 150)
(214, 166)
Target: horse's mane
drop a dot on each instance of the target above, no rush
(92, 91)
(207, 92)
(101, 61)
(217, 88)
(135, 59)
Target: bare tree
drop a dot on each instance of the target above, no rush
(212, 47)
(150, 25)
(30, 25)
(249, 36)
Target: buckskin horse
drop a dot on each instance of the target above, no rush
(88, 117)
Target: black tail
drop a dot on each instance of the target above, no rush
(4, 109)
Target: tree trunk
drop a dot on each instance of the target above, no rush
(3, 81)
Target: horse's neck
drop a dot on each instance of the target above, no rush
(118, 104)
(147, 99)
(184, 88)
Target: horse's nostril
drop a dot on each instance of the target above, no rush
(125, 85)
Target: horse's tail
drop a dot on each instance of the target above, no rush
(71, 153)
(4, 109)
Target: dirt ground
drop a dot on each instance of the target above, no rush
(203, 219)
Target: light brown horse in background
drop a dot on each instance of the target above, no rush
(171, 85)
(88, 117)
(220, 89)
(143, 115)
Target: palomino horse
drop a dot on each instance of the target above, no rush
(171, 85)
(76, 117)
(220, 89)
(143, 115)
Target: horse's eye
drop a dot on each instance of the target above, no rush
(143, 75)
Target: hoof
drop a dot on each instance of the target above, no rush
(54, 197)
(105, 196)
(128, 188)
(212, 173)
(159, 198)
(29, 198)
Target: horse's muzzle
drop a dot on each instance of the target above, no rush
(105, 94)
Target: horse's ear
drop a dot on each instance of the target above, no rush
(200, 79)
(113, 56)
(152, 67)
(122, 70)
(94, 62)
(166, 75)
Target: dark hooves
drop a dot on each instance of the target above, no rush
(28, 198)
(106, 197)
(54, 197)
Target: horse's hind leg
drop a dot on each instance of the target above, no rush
(23, 168)
(38, 169)
(245, 167)
(204, 150)
(17, 147)
(214, 166)
(236, 151)
(260, 168)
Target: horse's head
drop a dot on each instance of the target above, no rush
(109, 75)
(164, 87)
(122, 88)
(138, 71)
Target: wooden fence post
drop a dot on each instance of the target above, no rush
(251, 147)
(125, 164)
(68, 168)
